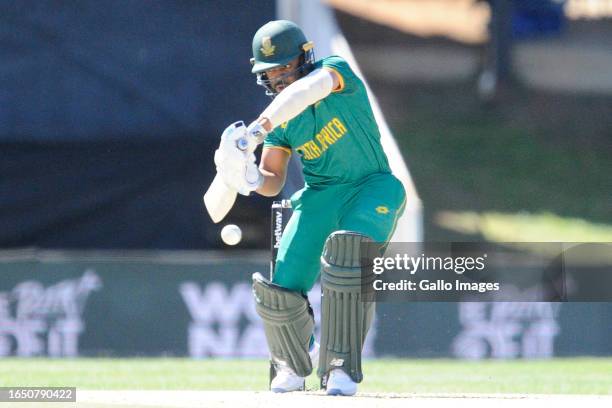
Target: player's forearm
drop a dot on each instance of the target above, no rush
(272, 184)
(298, 96)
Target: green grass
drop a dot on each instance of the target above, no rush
(558, 376)
(524, 227)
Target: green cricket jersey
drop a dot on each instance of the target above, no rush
(337, 137)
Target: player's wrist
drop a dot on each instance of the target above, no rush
(265, 123)
(257, 131)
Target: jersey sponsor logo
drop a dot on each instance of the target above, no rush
(327, 136)
(381, 209)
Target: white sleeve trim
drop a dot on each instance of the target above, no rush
(304, 92)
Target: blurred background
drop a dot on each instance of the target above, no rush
(110, 113)
(501, 108)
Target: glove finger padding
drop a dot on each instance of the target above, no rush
(232, 177)
(237, 164)
(243, 177)
(253, 176)
(235, 131)
(228, 147)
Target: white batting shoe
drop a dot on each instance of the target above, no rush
(339, 383)
(287, 380)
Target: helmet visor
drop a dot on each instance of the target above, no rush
(261, 66)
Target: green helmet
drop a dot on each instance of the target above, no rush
(276, 44)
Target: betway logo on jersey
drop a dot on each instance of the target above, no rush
(331, 132)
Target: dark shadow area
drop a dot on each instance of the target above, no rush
(109, 116)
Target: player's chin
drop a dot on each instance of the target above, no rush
(279, 87)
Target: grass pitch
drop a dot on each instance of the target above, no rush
(557, 376)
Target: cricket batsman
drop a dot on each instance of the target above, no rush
(321, 112)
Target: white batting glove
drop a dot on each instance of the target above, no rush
(256, 132)
(229, 150)
(252, 177)
(234, 158)
(244, 178)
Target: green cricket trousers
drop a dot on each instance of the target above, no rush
(370, 206)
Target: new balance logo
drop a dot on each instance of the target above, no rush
(337, 362)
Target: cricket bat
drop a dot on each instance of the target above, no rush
(219, 199)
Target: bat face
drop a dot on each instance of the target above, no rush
(219, 199)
